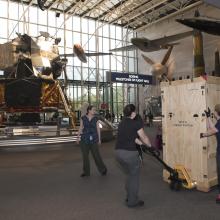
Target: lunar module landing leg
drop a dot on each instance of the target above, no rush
(67, 108)
(54, 93)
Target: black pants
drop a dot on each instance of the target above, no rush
(86, 148)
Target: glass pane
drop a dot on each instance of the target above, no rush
(106, 30)
(76, 23)
(69, 23)
(85, 64)
(113, 44)
(3, 29)
(69, 39)
(119, 64)
(70, 92)
(70, 61)
(92, 43)
(84, 25)
(106, 62)
(93, 91)
(92, 74)
(69, 71)
(113, 63)
(60, 21)
(61, 50)
(118, 43)
(85, 94)
(76, 38)
(105, 44)
(131, 65)
(100, 29)
(85, 42)
(52, 18)
(13, 8)
(92, 61)
(75, 95)
(130, 35)
(100, 62)
(85, 73)
(42, 15)
(118, 32)
(60, 34)
(101, 75)
(112, 31)
(22, 27)
(33, 30)
(76, 73)
(91, 26)
(52, 31)
(76, 61)
(100, 44)
(13, 28)
(22, 16)
(33, 15)
(42, 28)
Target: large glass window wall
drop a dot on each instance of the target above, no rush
(87, 81)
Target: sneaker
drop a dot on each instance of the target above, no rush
(83, 175)
(138, 204)
(218, 199)
(104, 172)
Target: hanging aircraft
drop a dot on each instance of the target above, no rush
(31, 69)
(164, 70)
(147, 45)
(204, 24)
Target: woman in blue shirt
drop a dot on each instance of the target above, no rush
(89, 131)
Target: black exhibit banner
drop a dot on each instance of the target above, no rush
(129, 78)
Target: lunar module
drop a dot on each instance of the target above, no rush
(31, 68)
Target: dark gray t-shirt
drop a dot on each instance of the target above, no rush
(127, 133)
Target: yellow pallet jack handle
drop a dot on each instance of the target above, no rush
(187, 182)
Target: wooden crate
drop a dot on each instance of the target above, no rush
(183, 105)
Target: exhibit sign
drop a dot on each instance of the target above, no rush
(130, 78)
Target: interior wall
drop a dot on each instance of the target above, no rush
(182, 54)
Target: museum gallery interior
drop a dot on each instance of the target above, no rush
(103, 102)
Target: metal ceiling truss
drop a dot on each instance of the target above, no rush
(160, 11)
(168, 11)
(135, 14)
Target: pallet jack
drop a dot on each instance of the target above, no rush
(178, 176)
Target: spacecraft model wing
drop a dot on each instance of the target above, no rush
(125, 48)
(168, 39)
